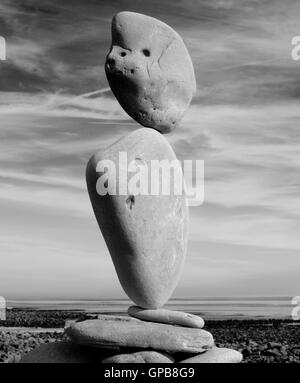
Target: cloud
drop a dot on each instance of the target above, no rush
(251, 158)
(62, 105)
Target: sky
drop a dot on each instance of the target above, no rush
(56, 110)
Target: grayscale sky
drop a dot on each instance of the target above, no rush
(56, 110)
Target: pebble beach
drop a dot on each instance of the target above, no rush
(260, 341)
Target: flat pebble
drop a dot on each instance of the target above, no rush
(140, 357)
(139, 334)
(166, 316)
(216, 355)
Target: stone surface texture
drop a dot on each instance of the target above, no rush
(67, 352)
(145, 234)
(140, 357)
(178, 318)
(139, 334)
(150, 70)
(216, 355)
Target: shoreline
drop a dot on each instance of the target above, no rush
(30, 317)
(259, 340)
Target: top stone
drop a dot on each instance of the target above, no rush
(149, 70)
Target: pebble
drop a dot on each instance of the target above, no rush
(216, 355)
(140, 357)
(145, 234)
(166, 316)
(150, 70)
(139, 334)
(66, 352)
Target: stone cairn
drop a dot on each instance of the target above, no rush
(151, 74)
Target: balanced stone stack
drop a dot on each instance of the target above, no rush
(151, 336)
(151, 74)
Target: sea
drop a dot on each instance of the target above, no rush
(209, 308)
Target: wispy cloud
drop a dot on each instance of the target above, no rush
(62, 105)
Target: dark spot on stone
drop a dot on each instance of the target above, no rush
(132, 71)
(123, 54)
(179, 211)
(142, 114)
(139, 161)
(111, 63)
(146, 52)
(130, 202)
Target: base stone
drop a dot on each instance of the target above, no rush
(140, 357)
(130, 332)
(67, 352)
(216, 355)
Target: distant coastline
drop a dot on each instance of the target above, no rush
(208, 307)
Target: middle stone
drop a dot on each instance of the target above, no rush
(136, 190)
